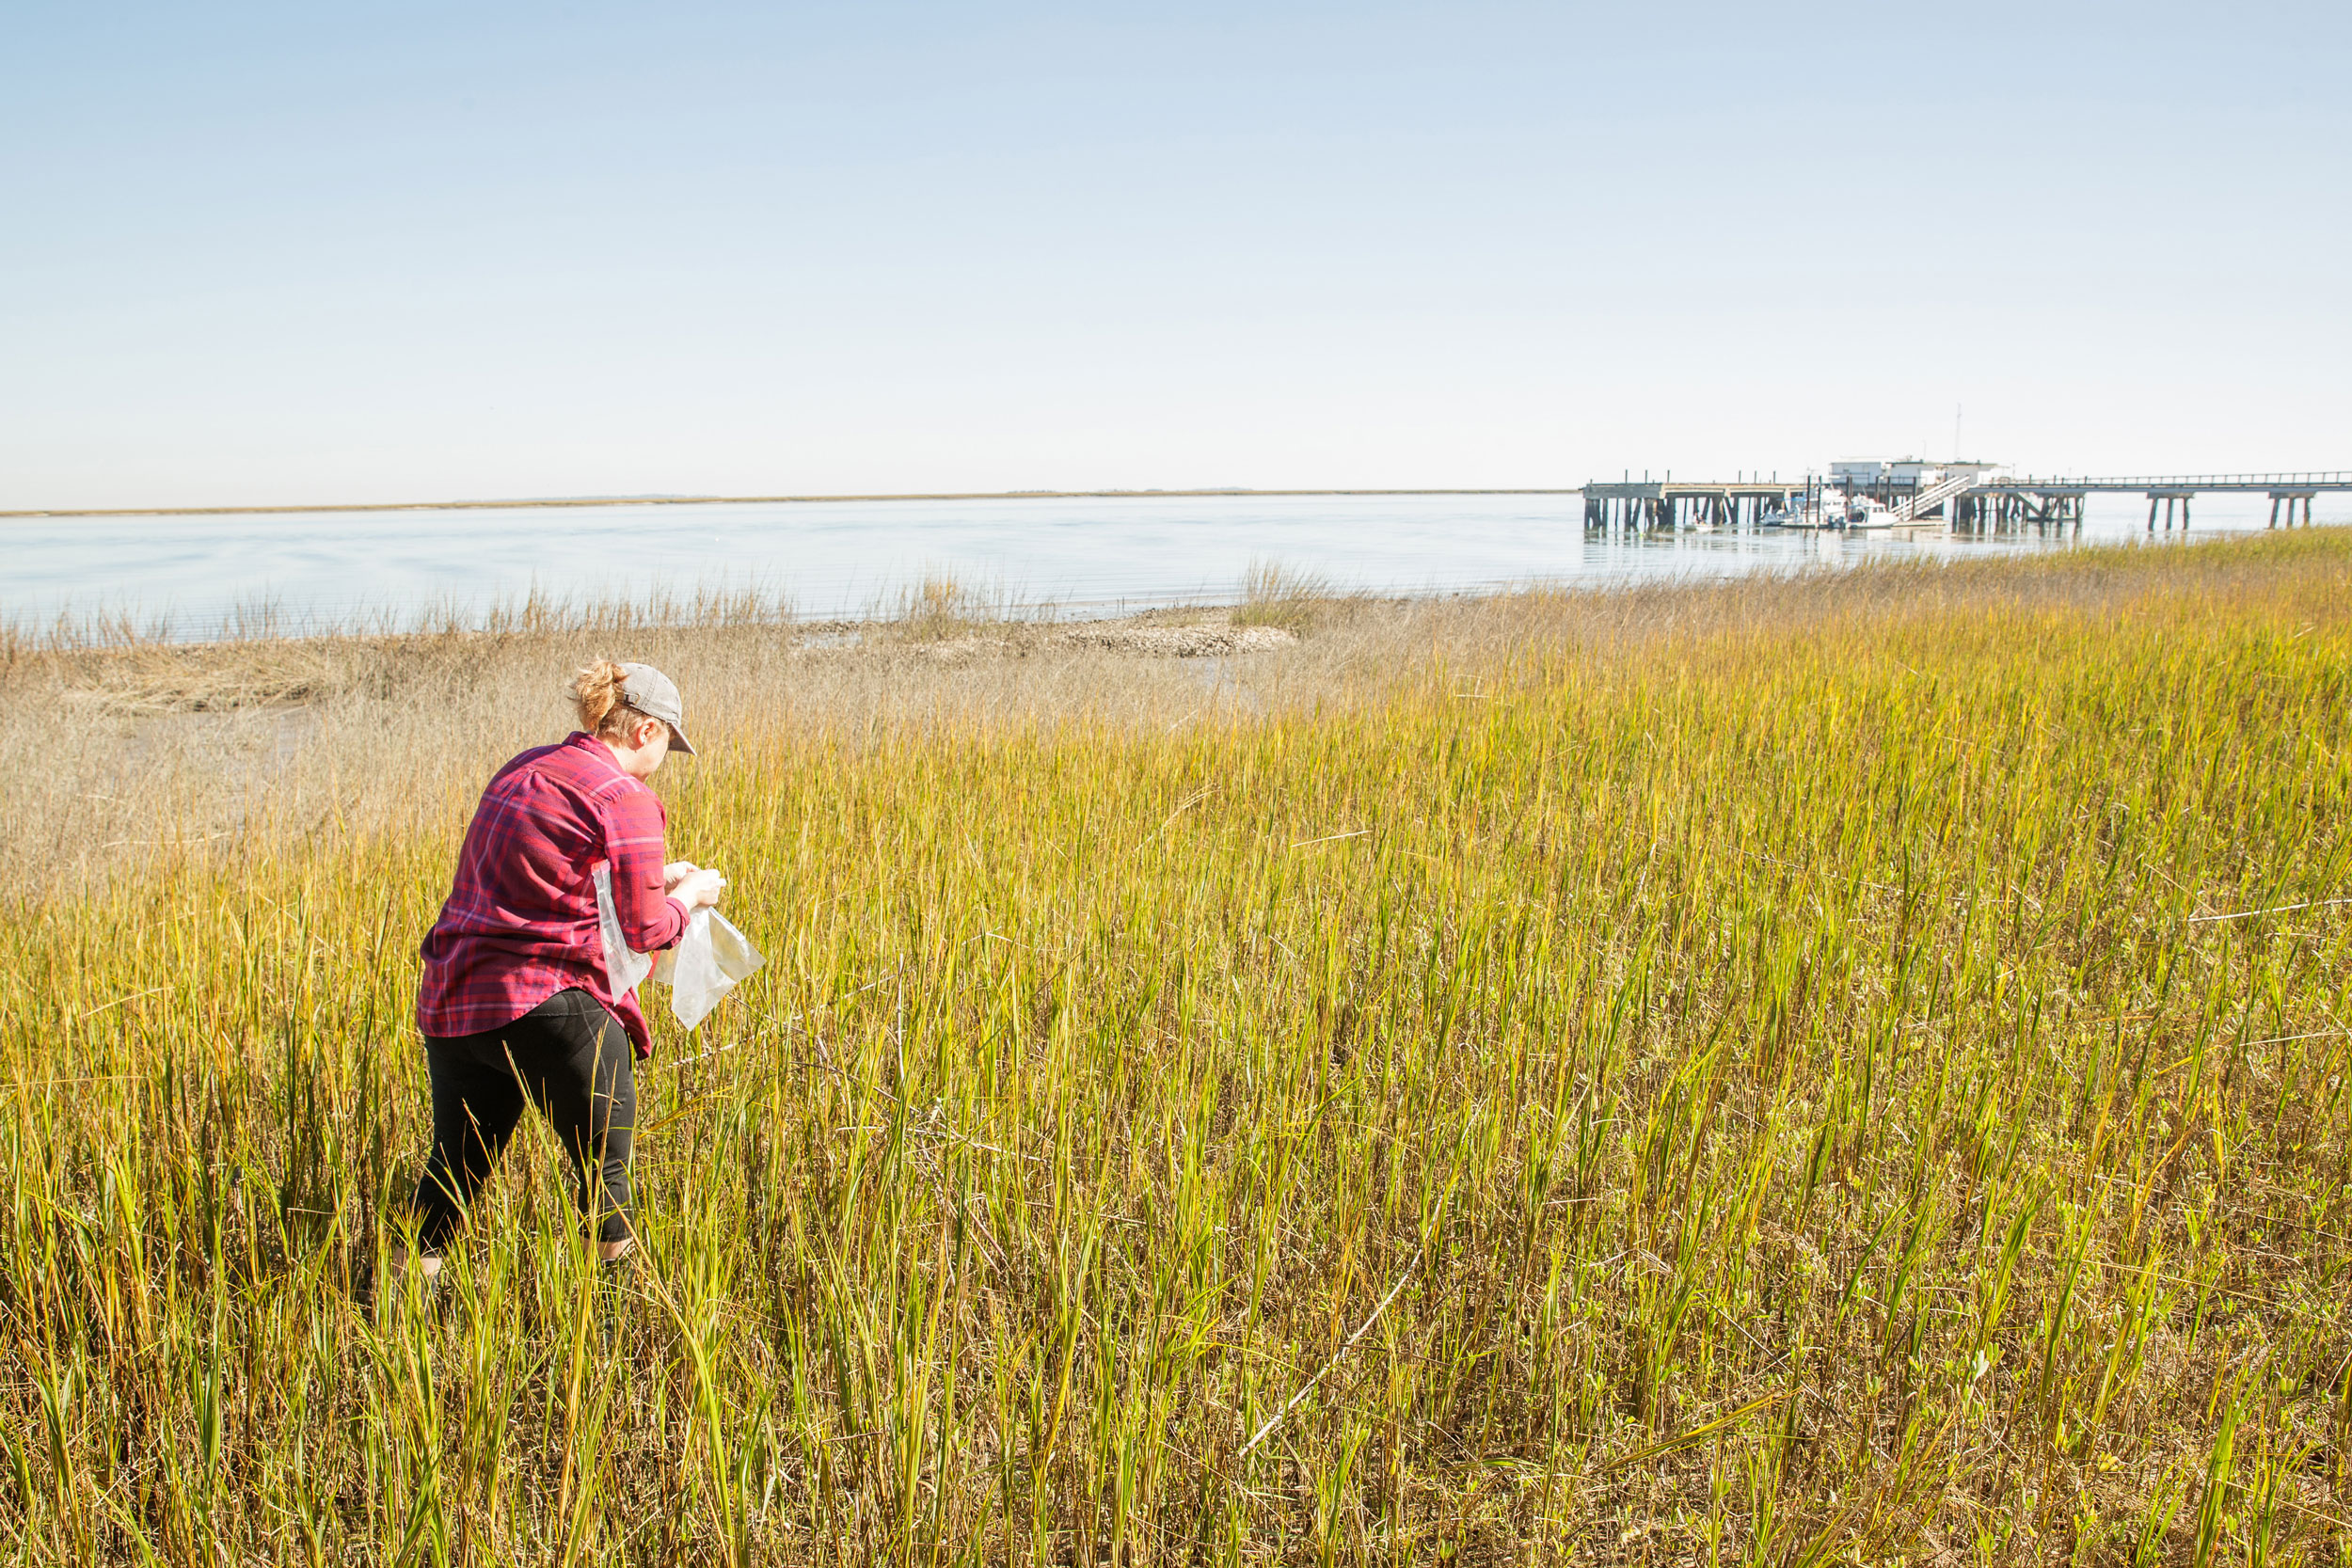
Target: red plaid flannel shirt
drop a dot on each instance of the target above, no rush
(521, 924)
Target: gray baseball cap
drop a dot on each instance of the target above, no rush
(655, 695)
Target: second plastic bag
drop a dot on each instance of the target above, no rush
(708, 961)
(623, 968)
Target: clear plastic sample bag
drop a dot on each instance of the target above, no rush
(708, 961)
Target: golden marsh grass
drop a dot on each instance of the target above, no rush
(1835, 1070)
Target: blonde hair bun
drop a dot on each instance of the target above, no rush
(596, 689)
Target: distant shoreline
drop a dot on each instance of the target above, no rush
(740, 501)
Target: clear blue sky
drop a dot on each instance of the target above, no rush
(317, 252)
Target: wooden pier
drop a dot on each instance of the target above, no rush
(2170, 495)
(1637, 505)
(1983, 509)
(1975, 499)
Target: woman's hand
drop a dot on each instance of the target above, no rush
(674, 873)
(699, 888)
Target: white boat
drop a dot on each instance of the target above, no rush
(1869, 512)
(1823, 510)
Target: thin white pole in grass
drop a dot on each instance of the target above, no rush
(1366, 1328)
(690, 1061)
(2278, 908)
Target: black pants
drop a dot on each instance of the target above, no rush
(569, 1057)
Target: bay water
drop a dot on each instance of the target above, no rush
(193, 576)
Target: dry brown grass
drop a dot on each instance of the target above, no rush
(145, 745)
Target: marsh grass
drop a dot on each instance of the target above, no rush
(1278, 596)
(943, 605)
(1845, 1070)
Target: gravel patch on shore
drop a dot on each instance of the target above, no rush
(1181, 641)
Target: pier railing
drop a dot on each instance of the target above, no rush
(2328, 479)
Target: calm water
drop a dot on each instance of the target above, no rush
(832, 560)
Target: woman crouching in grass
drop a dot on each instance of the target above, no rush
(524, 998)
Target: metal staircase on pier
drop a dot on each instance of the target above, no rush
(1935, 495)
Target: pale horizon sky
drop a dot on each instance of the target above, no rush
(297, 253)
